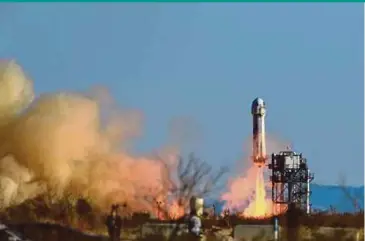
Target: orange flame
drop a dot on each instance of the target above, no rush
(168, 208)
(176, 210)
(247, 195)
(260, 207)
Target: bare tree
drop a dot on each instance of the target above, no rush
(355, 199)
(189, 177)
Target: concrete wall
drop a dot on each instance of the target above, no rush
(53, 232)
(249, 232)
(165, 229)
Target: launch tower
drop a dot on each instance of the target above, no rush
(291, 180)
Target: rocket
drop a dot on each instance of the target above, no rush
(258, 111)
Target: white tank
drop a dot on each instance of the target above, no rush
(197, 204)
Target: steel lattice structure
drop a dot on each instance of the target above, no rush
(290, 180)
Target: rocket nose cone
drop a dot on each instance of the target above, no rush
(256, 103)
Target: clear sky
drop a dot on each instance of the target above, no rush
(206, 63)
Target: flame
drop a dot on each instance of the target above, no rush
(169, 209)
(261, 206)
(247, 195)
(176, 210)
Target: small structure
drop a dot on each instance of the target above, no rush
(7, 234)
(227, 217)
(252, 232)
(194, 220)
(114, 224)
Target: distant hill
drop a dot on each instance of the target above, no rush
(323, 196)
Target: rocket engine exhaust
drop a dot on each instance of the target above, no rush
(258, 111)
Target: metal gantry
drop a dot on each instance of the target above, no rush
(290, 178)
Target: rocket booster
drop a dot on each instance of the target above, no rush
(258, 111)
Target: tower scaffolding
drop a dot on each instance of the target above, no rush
(290, 178)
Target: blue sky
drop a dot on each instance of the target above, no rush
(205, 63)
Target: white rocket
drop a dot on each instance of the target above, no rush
(258, 111)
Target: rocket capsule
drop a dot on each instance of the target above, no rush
(258, 111)
(258, 107)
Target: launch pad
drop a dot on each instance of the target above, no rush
(290, 180)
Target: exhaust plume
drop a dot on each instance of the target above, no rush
(70, 142)
(249, 193)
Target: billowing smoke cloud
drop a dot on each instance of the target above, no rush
(69, 142)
